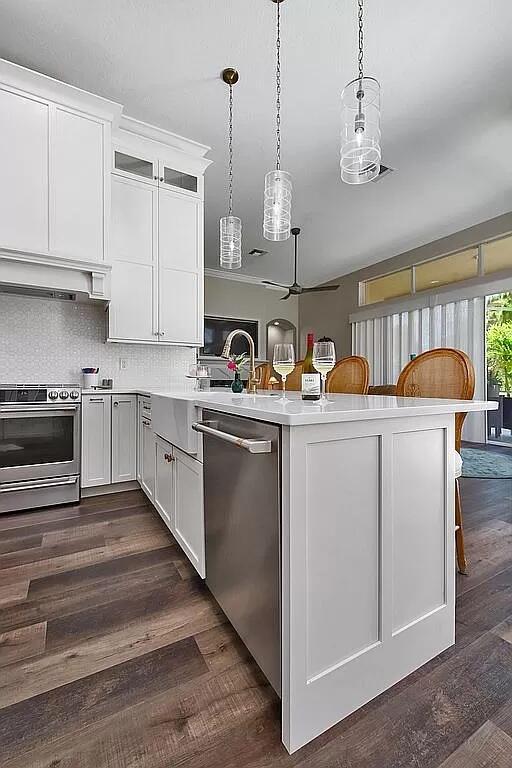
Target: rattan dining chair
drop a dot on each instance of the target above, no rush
(349, 376)
(263, 374)
(294, 379)
(441, 373)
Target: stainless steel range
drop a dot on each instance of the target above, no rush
(39, 445)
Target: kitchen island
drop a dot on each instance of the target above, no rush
(367, 552)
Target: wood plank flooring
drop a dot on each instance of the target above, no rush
(114, 655)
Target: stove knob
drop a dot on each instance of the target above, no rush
(74, 394)
(53, 394)
(64, 394)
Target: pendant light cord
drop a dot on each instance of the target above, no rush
(230, 144)
(278, 88)
(360, 38)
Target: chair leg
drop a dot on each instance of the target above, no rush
(462, 564)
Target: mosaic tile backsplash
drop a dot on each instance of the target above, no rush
(47, 341)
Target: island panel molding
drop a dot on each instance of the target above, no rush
(368, 562)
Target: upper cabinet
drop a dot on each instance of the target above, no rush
(156, 237)
(56, 157)
(78, 193)
(24, 163)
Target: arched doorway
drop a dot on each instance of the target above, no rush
(280, 331)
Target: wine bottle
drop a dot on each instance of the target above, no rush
(310, 377)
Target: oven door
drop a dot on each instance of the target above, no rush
(39, 441)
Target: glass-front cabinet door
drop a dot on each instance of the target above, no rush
(133, 166)
(173, 177)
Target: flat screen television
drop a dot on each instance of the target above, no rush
(216, 330)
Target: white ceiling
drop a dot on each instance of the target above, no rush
(445, 70)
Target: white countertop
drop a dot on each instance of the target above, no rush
(293, 411)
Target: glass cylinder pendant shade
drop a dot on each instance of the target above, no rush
(360, 132)
(230, 242)
(277, 213)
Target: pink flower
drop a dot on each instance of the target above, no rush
(231, 366)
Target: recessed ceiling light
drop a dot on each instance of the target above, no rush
(276, 322)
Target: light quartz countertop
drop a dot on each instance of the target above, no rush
(293, 411)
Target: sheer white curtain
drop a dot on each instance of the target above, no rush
(387, 342)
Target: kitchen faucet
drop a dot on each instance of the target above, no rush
(252, 384)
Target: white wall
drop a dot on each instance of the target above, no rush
(248, 301)
(47, 341)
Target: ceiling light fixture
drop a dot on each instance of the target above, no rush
(360, 133)
(230, 226)
(277, 213)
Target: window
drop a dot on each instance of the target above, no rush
(497, 255)
(447, 269)
(387, 287)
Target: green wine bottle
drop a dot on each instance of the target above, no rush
(310, 384)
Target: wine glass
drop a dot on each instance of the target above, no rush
(284, 362)
(324, 360)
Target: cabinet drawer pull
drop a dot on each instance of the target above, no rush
(96, 399)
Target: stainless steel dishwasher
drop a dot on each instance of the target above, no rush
(243, 530)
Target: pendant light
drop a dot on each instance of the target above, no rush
(230, 226)
(277, 213)
(360, 133)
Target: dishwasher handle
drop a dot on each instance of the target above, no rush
(248, 444)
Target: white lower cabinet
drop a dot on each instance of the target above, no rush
(189, 509)
(173, 481)
(109, 439)
(165, 485)
(146, 459)
(96, 440)
(124, 438)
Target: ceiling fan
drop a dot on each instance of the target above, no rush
(296, 289)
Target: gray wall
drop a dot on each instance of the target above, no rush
(326, 314)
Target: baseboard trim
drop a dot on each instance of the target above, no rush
(101, 490)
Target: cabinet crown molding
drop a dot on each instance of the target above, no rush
(45, 87)
(173, 140)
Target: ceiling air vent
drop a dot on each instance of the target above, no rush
(384, 171)
(257, 252)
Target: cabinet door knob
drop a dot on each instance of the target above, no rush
(116, 404)
(162, 333)
(155, 178)
(161, 178)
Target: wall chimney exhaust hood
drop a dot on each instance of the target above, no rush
(53, 277)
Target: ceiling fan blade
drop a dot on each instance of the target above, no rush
(321, 288)
(283, 298)
(278, 285)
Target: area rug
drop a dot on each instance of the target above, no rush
(486, 464)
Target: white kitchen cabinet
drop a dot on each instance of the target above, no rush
(147, 459)
(156, 237)
(132, 313)
(124, 438)
(165, 497)
(180, 268)
(96, 440)
(55, 157)
(109, 439)
(78, 207)
(157, 265)
(24, 164)
(188, 521)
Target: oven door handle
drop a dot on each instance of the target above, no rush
(10, 487)
(11, 411)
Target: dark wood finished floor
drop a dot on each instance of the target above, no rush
(113, 655)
